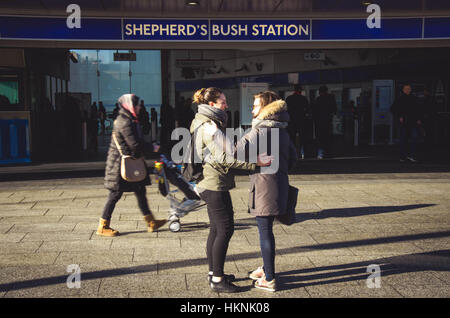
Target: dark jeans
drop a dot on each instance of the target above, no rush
(323, 136)
(408, 141)
(221, 218)
(267, 243)
(300, 128)
(114, 197)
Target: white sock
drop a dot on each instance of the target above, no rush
(210, 273)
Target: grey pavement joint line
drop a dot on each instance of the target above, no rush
(9, 228)
(42, 243)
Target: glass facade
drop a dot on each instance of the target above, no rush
(97, 73)
(9, 90)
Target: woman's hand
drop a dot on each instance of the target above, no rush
(263, 160)
(210, 128)
(156, 147)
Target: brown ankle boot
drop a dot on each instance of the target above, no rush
(104, 229)
(152, 223)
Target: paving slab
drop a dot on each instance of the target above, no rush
(344, 223)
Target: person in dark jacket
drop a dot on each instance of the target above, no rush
(115, 111)
(298, 109)
(128, 134)
(323, 109)
(144, 119)
(407, 112)
(154, 123)
(102, 116)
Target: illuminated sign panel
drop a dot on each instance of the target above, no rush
(51, 28)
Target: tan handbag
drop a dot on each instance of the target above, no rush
(131, 169)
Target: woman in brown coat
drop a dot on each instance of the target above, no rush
(269, 186)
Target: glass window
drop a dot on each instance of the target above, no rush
(9, 90)
(97, 73)
(146, 78)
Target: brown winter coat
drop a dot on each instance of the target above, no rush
(269, 191)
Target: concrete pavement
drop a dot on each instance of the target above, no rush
(345, 222)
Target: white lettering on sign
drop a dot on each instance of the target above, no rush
(374, 20)
(165, 29)
(74, 19)
(280, 30)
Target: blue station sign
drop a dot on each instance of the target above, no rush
(116, 29)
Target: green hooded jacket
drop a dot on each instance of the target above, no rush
(217, 173)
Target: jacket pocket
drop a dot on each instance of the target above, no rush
(251, 198)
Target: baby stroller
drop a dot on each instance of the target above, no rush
(166, 172)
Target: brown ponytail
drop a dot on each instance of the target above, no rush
(206, 95)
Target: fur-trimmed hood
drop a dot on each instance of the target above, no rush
(273, 115)
(274, 109)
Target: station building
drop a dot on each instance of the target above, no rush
(58, 58)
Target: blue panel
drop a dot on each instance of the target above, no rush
(437, 28)
(14, 141)
(269, 30)
(162, 30)
(56, 28)
(356, 29)
(221, 30)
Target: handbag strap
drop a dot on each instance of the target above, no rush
(117, 143)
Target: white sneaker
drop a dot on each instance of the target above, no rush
(257, 273)
(262, 283)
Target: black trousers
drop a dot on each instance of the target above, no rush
(114, 197)
(221, 218)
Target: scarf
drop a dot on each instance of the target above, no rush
(215, 114)
(126, 101)
(268, 123)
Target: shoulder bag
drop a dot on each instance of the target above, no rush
(131, 169)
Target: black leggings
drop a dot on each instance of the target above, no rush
(221, 218)
(114, 197)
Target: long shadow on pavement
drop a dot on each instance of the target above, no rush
(429, 261)
(244, 256)
(340, 212)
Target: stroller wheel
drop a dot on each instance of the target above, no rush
(175, 226)
(173, 218)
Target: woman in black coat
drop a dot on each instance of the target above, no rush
(128, 133)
